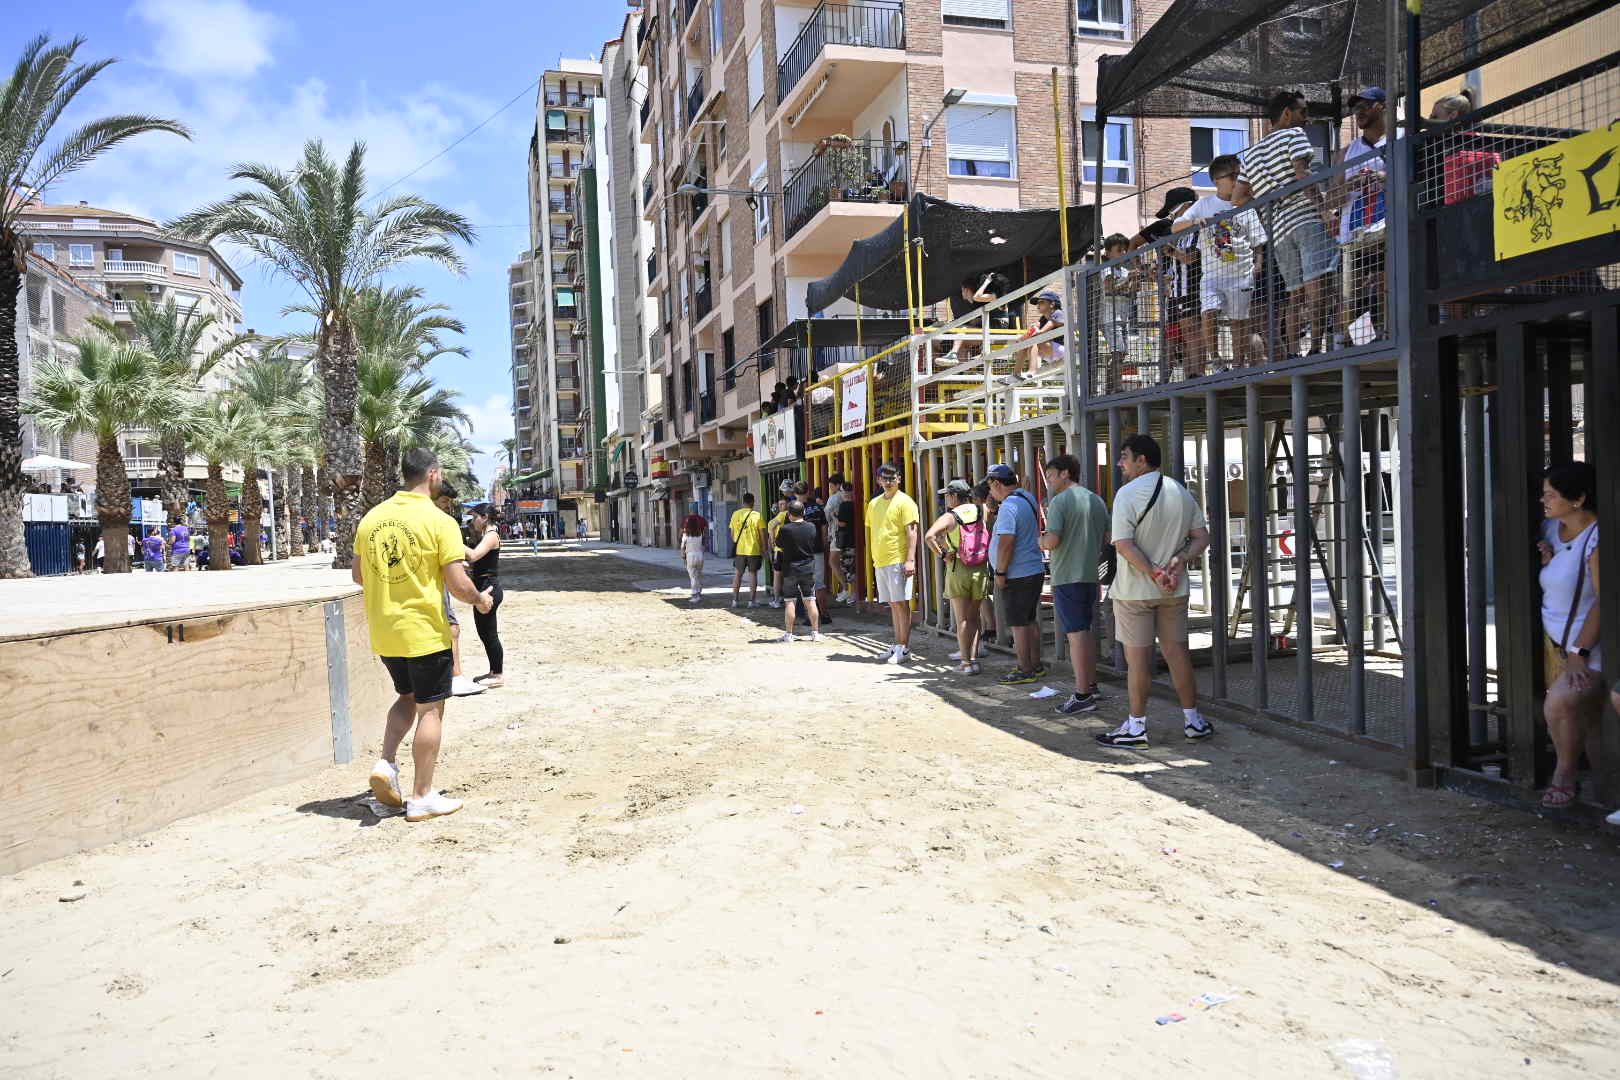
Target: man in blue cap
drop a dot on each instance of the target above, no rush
(1364, 208)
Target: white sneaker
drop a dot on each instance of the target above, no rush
(385, 784)
(734, 603)
(899, 655)
(957, 656)
(816, 636)
(1614, 818)
(461, 686)
(775, 603)
(432, 806)
(694, 601)
(785, 639)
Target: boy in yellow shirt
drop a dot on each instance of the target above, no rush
(748, 541)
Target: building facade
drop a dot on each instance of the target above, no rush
(832, 115)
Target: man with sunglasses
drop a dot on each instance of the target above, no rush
(892, 525)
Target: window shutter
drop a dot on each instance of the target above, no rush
(980, 132)
(977, 9)
(756, 74)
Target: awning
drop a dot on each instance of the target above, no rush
(1226, 57)
(47, 462)
(539, 474)
(958, 240)
(842, 330)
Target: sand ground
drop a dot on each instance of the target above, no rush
(689, 853)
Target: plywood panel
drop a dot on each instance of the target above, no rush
(371, 691)
(111, 733)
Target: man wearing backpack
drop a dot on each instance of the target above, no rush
(1076, 529)
(1015, 553)
(1158, 529)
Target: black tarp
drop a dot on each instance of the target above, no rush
(958, 241)
(1226, 57)
(840, 331)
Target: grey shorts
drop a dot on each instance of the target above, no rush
(1305, 253)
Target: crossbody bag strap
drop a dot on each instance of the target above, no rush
(1575, 601)
(1148, 509)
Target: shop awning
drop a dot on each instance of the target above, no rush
(842, 330)
(538, 474)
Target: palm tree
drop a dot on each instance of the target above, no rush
(275, 386)
(177, 339)
(110, 386)
(392, 319)
(398, 409)
(32, 100)
(312, 224)
(226, 431)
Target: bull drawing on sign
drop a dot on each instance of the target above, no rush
(1540, 191)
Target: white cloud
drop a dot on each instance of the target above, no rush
(207, 38)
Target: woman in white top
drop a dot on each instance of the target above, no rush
(1569, 617)
(692, 532)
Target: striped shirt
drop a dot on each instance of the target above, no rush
(1269, 165)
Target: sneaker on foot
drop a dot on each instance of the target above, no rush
(693, 601)
(1125, 735)
(785, 639)
(461, 686)
(430, 806)
(957, 656)
(1017, 677)
(970, 669)
(899, 655)
(735, 603)
(752, 604)
(775, 603)
(1078, 703)
(1201, 730)
(1040, 671)
(815, 635)
(385, 783)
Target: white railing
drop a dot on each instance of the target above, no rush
(120, 307)
(114, 269)
(141, 466)
(61, 226)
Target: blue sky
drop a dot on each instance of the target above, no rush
(255, 80)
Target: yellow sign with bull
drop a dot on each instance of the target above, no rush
(1566, 191)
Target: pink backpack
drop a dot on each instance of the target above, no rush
(973, 549)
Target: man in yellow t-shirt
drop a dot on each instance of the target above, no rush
(891, 537)
(748, 542)
(406, 553)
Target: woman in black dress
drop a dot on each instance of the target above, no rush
(483, 560)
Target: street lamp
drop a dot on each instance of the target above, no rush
(952, 96)
(690, 189)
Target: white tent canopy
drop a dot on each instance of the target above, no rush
(46, 462)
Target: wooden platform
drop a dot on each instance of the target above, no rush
(130, 703)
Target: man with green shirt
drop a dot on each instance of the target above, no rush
(1159, 530)
(1076, 529)
(892, 526)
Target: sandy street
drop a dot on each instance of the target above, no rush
(688, 853)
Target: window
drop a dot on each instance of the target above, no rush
(767, 330)
(728, 358)
(1118, 149)
(81, 255)
(1211, 139)
(1320, 134)
(1104, 18)
(185, 299)
(725, 248)
(688, 386)
(762, 204)
(980, 136)
(187, 264)
(44, 249)
(756, 75)
(717, 26)
(992, 14)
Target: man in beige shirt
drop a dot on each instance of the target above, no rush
(1158, 529)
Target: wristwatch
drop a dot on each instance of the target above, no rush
(1584, 654)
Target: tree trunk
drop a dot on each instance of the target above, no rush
(13, 547)
(393, 472)
(311, 493)
(252, 511)
(172, 476)
(219, 521)
(283, 519)
(112, 505)
(295, 511)
(340, 434)
(374, 489)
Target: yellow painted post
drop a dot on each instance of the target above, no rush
(905, 266)
(1063, 187)
(909, 471)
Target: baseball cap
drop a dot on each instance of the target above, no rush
(1051, 296)
(1003, 472)
(1176, 196)
(959, 488)
(1372, 93)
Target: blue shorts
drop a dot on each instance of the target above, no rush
(1076, 603)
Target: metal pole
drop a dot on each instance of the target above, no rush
(1304, 598)
(270, 474)
(1255, 541)
(1475, 521)
(1355, 621)
(1177, 437)
(1220, 523)
(1375, 526)
(1063, 186)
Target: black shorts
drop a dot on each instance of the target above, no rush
(748, 563)
(425, 677)
(1022, 599)
(798, 586)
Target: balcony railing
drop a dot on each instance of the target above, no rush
(565, 313)
(652, 267)
(868, 172)
(120, 307)
(646, 107)
(562, 206)
(702, 302)
(559, 170)
(647, 29)
(876, 25)
(565, 135)
(134, 269)
(649, 188)
(569, 99)
(694, 98)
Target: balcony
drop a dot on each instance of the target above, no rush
(866, 43)
(652, 268)
(847, 192)
(565, 135)
(647, 31)
(694, 98)
(564, 170)
(563, 206)
(569, 99)
(120, 307)
(646, 107)
(702, 302)
(565, 314)
(649, 188)
(134, 269)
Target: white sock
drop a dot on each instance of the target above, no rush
(1137, 723)
(1193, 716)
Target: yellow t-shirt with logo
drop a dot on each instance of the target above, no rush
(886, 521)
(403, 545)
(747, 532)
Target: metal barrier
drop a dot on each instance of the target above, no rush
(861, 171)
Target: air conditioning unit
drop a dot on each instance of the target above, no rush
(154, 290)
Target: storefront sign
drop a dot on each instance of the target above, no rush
(776, 438)
(853, 411)
(537, 506)
(1566, 191)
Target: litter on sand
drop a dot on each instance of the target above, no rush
(1043, 692)
(1169, 1018)
(795, 809)
(1337, 864)
(378, 809)
(1209, 1001)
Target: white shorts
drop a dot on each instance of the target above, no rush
(893, 584)
(1230, 297)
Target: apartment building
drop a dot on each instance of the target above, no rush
(120, 256)
(555, 330)
(797, 129)
(54, 307)
(525, 392)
